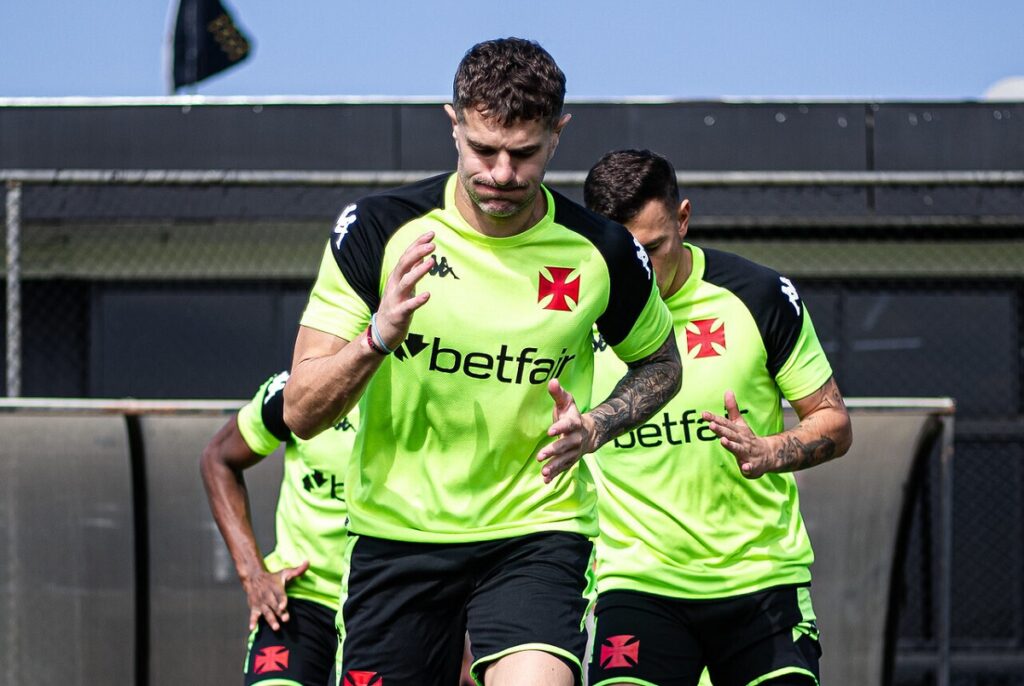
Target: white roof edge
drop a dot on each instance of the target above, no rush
(259, 100)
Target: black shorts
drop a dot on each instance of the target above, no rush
(301, 653)
(661, 641)
(408, 606)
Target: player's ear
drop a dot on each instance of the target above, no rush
(454, 119)
(561, 123)
(556, 131)
(683, 217)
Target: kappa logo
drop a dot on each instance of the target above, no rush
(620, 651)
(705, 337)
(271, 659)
(442, 269)
(362, 678)
(789, 290)
(641, 255)
(344, 425)
(600, 345)
(275, 387)
(558, 290)
(345, 220)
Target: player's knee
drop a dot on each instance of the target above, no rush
(529, 668)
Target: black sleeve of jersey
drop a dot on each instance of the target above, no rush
(272, 408)
(628, 267)
(364, 229)
(770, 297)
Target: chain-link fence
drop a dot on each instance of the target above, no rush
(190, 285)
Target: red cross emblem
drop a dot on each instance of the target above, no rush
(620, 651)
(709, 338)
(271, 659)
(559, 289)
(359, 678)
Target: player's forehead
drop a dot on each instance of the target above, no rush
(482, 129)
(654, 220)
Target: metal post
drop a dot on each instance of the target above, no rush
(13, 289)
(945, 581)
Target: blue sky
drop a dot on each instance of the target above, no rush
(859, 49)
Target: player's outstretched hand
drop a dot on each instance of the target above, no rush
(573, 430)
(751, 452)
(400, 300)
(266, 594)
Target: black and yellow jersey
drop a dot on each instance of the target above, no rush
(453, 420)
(677, 516)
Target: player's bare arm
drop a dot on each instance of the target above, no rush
(224, 459)
(823, 434)
(649, 383)
(330, 373)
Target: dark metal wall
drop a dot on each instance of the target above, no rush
(706, 136)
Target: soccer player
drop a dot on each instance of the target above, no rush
(458, 312)
(703, 559)
(292, 593)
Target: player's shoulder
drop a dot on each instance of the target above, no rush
(767, 293)
(613, 240)
(726, 269)
(591, 225)
(364, 229)
(742, 275)
(374, 218)
(415, 198)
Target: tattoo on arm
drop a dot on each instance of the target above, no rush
(647, 386)
(821, 428)
(795, 454)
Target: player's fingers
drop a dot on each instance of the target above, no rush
(711, 417)
(566, 445)
(557, 466)
(254, 617)
(271, 618)
(414, 254)
(407, 282)
(297, 570)
(562, 397)
(716, 423)
(409, 304)
(418, 245)
(565, 424)
(734, 449)
(726, 433)
(731, 407)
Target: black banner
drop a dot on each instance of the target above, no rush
(206, 41)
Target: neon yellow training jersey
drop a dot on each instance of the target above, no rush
(677, 516)
(311, 508)
(453, 420)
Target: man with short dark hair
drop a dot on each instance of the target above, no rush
(467, 506)
(703, 559)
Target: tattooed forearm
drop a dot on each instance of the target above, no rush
(824, 432)
(646, 387)
(795, 455)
